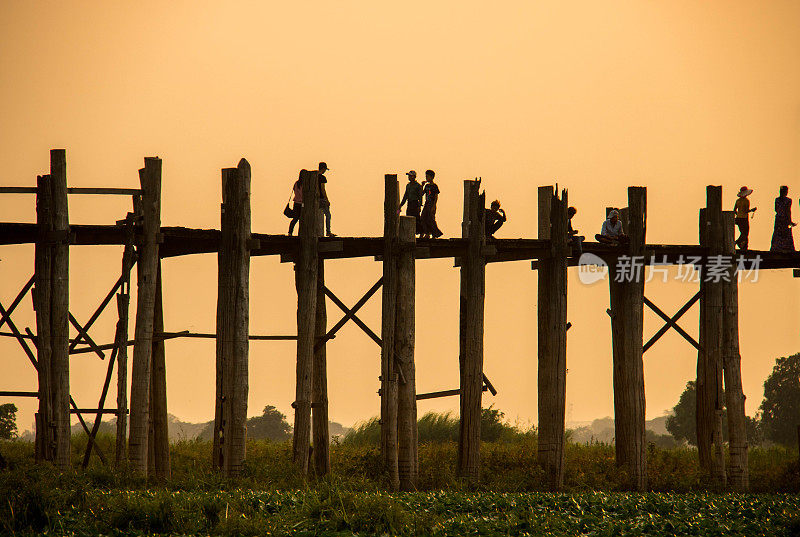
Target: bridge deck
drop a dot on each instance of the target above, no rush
(178, 241)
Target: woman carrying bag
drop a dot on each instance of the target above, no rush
(294, 212)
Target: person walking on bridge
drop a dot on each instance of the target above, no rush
(741, 211)
(782, 240)
(428, 217)
(324, 202)
(413, 196)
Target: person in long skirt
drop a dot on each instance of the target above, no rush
(428, 217)
(782, 240)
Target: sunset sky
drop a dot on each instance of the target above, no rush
(596, 96)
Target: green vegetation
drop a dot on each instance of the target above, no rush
(780, 409)
(271, 498)
(8, 421)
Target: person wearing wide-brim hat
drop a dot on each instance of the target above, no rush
(741, 211)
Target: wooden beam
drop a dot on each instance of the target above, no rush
(319, 385)
(361, 324)
(59, 309)
(18, 394)
(552, 335)
(627, 312)
(709, 359)
(407, 459)
(738, 473)
(321, 340)
(147, 273)
(71, 190)
(473, 275)
(17, 300)
(306, 283)
(388, 378)
(158, 441)
(435, 395)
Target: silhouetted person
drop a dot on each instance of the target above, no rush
(428, 217)
(741, 211)
(574, 240)
(413, 196)
(324, 202)
(297, 205)
(782, 240)
(611, 232)
(494, 219)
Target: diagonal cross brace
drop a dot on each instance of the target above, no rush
(6, 315)
(349, 314)
(352, 312)
(671, 322)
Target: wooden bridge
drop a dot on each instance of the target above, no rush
(145, 242)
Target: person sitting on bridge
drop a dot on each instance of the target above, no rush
(413, 196)
(494, 220)
(611, 232)
(574, 240)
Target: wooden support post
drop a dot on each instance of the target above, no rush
(319, 393)
(404, 351)
(146, 276)
(123, 303)
(59, 309)
(233, 307)
(45, 426)
(473, 276)
(388, 377)
(552, 308)
(732, 366)
(626, 287)
(306, 284)
(159, 441)
(709, 358)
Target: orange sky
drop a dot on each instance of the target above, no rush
(595, 95)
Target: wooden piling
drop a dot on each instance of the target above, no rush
(738, 473)
(306, 284)
(159, 440)
(389, 382)
(473, 276)
(45, 426)
(552, 335)
(709, 358)
(233, 310)
(59, 309)
(123, 305)
(404, 351)
(319, 388)
(626, 289)
(146, 276)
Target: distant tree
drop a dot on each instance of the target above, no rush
(492, 426)
(271, 425)
(8, 421)
(681, 424)
(780, 409)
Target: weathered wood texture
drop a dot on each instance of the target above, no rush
(233, 311)
(408, 465)
(738, 475)
(389, 382)
(626, 287)
(59, 308)
(709, 359)
(552, 335)
(473, 276)
(123, 308)
(159, 440)
(306, 283)
(45, 425)
(319, 388)
(146, 276)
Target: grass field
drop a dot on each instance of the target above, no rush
(271, 499)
